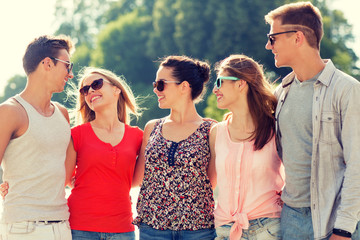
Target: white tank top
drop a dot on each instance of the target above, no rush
(34, 167)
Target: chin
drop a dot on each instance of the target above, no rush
(59, 90)
(221, 106)
(162, 106)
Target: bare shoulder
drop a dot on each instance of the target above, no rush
(213, 130)
(150, 126)
(11, 110)
(214, 127)
(63, 110)
(13, 117)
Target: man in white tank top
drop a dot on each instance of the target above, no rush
(35, 133)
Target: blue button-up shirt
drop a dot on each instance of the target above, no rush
(335, 162)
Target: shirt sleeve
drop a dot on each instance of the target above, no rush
(348, 211)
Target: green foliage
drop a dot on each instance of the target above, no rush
(128, 36)
(192, 39)
(121, 48)
(161, 40)
(80, 19)
(14, 86)
(338, 33)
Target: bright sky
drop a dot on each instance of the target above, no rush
(22, 20)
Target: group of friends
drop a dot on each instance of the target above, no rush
(307, 130)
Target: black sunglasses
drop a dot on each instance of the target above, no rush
(69, 65)
(271, 36)
(96, 85)
(160, 85)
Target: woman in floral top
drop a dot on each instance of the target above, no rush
(176, 198)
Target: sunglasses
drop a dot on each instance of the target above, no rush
(96, 85)
(69, 65)
(160, 85)
(219, 80)
(272, 39)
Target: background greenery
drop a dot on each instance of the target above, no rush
(129, 36)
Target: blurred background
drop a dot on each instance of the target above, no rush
(129, 36)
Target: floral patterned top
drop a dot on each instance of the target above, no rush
(176, 193)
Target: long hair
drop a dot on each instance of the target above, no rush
(261, 100)
(126, 102)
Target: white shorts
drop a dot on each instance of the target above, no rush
(39, 230)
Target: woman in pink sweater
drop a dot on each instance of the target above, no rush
(250, 174)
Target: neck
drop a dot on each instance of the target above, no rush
(107, 119)
(37, 95)
(106, 124)
(308, 66)
(241, 117)
(185, 113)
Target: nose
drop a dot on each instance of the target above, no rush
(155, 90)
(215, 89)
(268, 45)
(71, 75)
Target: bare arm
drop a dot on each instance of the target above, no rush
(140, 162)
(70, 163)
(211, 168)
(13, 123)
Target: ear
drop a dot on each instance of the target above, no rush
(47, 63)
(300, 38)
(241, 84)
(117, 91)
(185, 86)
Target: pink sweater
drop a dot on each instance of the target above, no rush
(249, 181)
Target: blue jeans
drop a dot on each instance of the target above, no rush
(86, 235)
(296, 223)
(149, 233)
(259, 229)
(356, 234)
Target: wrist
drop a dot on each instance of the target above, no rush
(341, 233)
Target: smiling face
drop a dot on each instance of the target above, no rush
(283, 45)
(226, 94)
(60, 71)
(169, 95)
(106, 95)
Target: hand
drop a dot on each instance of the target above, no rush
(337, 237)
(4, 189)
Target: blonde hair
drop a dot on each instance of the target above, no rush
(126, 103)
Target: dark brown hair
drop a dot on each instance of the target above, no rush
(42, 47)
(261, 100)
(195, 72)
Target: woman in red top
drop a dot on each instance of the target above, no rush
(104, 150)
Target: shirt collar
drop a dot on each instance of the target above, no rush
(324, 78)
